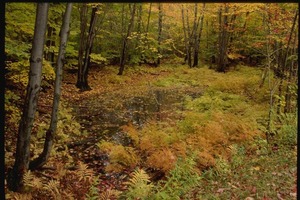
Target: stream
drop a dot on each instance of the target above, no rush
(102, 117)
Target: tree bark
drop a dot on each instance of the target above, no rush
(43, 157)
(125, 41)
(148, 19)
(15, 180)
(187, 57)
(198, 38)
(223, 38)
(82, 44)
(83, 86)
(160, 23)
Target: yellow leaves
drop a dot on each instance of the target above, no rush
(120, 157)
(205, 160)
(256, 168)
(132, 133)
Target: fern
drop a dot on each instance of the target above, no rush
(20, 196)
(52, 186)
(109, 194)
(30, 180)
(84, 172)
(139, 185)
(181, 180)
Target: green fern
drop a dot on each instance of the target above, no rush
(181, 180)
(139, 184)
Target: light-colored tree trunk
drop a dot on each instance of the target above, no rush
(43, 157)
(15, 180)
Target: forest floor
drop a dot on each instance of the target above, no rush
(151, 117)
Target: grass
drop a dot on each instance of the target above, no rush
(270, 175)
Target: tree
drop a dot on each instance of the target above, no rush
(160, 22)
(125, 40)
(21, 165)
(198, 36)
(43, 157)
(82, 42)
(82, 82)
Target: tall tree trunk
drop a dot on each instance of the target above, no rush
(190, 38)
(82, 44)
(43, 157)
(147, 27)
(194, 35)
(50, 42)
(125, 41)
(139, 20)
(148, 19)
(88, 50)
(160, 22)
(283, 61)
(15, 180)
(222, 57)
(287, 107)
(185, 36)
(198, 38)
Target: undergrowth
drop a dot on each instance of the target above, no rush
(216, 149)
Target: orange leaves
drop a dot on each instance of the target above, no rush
(163, 159)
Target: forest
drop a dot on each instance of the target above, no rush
(150, 101)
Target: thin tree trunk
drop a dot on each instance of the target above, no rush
(148, 19)
(222, 59)
(88, 50)
(125, 41)
(282, 63)
(189, 34)
(15, 180)
(82, 44)
(160, 18)
(287, 107)
(194, 32)
(147, 27)
(198, 38)
(185, 35)
(139, 20)
(43, 157)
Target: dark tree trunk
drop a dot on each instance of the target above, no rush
(125, 41)
(50, 42)
(15, 180)
(190, 38)
(186, 42)
(288, 96)
(287, 107)
(147, 27)
(223, 38)
(82, 44)
(43, 157)
(83, 86)
(198, 38)
(160, 23)
(139, 20)
(148, 19)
